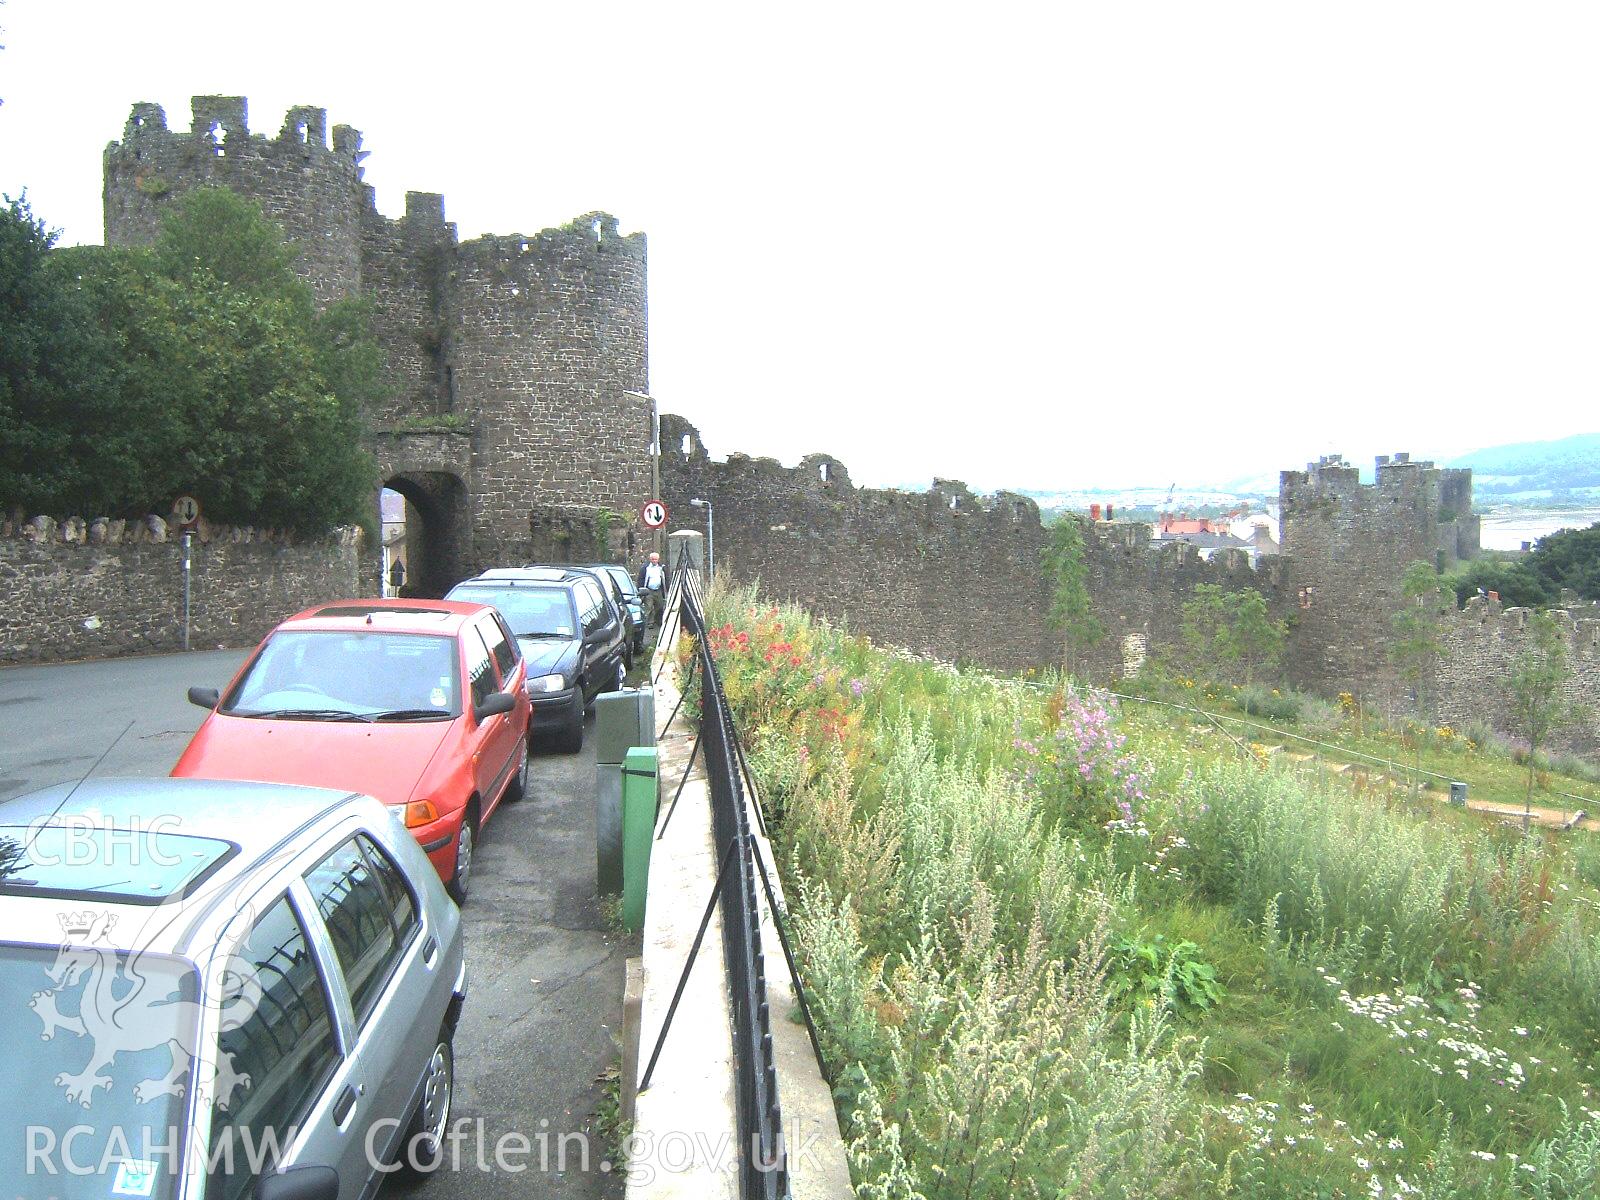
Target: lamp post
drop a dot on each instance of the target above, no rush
(711, 536)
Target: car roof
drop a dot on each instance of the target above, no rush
(389, 616)
(528, 575)
(262, 820)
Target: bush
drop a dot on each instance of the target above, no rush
(199, 366)
(1261, 701)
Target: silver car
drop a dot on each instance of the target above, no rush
(220, 990)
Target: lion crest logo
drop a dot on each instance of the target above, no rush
(110, 993)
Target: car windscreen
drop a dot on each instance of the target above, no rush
(530, 611)
(356, 675)
(98, 1066)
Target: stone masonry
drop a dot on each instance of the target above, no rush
(948, 574)
(77, 589)
(517, 365)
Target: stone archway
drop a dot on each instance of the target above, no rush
(432, 471)
(437, 527)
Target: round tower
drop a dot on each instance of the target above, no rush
(312, 190)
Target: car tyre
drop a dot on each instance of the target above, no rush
(572, 734)
(518, 787)
(422, 1149)
(466, 845)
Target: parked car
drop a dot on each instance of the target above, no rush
(222, 989)
(635, 602)
(421, 703)
(632, 625)
(571, 636)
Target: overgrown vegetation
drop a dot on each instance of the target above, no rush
(1568, 558)
(200, 365)
(1064, 949)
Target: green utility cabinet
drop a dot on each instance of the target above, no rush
(641, 790)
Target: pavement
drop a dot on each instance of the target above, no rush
(542, 1024)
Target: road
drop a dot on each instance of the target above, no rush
(544, 1010)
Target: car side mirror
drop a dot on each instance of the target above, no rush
(204, 697)
(299, 1183)
(493, 705)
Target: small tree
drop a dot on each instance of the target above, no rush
(1255, 640)
(1538, 708)
(1233, 629)
(1419, 643)
(1071, 610)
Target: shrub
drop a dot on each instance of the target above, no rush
(1261, 701)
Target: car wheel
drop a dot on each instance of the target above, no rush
(572, 735)
(422, 1148)
(622, 677)
(466, 843)
(518, 787)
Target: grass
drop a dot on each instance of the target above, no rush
(986, 873)
(1487, 765)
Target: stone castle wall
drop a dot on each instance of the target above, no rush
(949, 574)
(76, 589)
(532, 350)
(1482, 643)
(941, 572)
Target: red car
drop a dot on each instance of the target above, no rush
(421, 703)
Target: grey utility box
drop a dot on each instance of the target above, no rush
(1458, 794)
(623, 720)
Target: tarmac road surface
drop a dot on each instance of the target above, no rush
(544, 1006)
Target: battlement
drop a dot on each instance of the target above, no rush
(219, 126)
(590, 237)
(824, 477)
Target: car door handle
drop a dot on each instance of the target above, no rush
(343, 1105)
(430, 950)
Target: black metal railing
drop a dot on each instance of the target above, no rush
(764, 1167)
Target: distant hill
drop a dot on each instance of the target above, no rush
(1569, 465)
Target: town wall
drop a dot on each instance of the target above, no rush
(1347, 546)
(1482, 643)
(75, 589)
(942, 572)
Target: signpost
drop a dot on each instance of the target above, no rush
(653, 513)
(186, 513)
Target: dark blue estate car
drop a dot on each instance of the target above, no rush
(571, 634)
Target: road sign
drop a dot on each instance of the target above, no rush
(653, 513)
(186, 511)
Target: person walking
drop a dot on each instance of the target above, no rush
(653, 587)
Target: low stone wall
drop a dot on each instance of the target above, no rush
(74, 589)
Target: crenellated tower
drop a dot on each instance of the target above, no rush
(517, 366)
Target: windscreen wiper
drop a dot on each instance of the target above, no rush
(539, 633)
(303, 714)
(411, 714)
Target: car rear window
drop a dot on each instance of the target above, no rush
(76, 857)
(531, 611)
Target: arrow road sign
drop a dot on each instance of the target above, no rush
(653, 513)
(186, 511)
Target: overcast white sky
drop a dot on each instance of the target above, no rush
(1026, 245)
